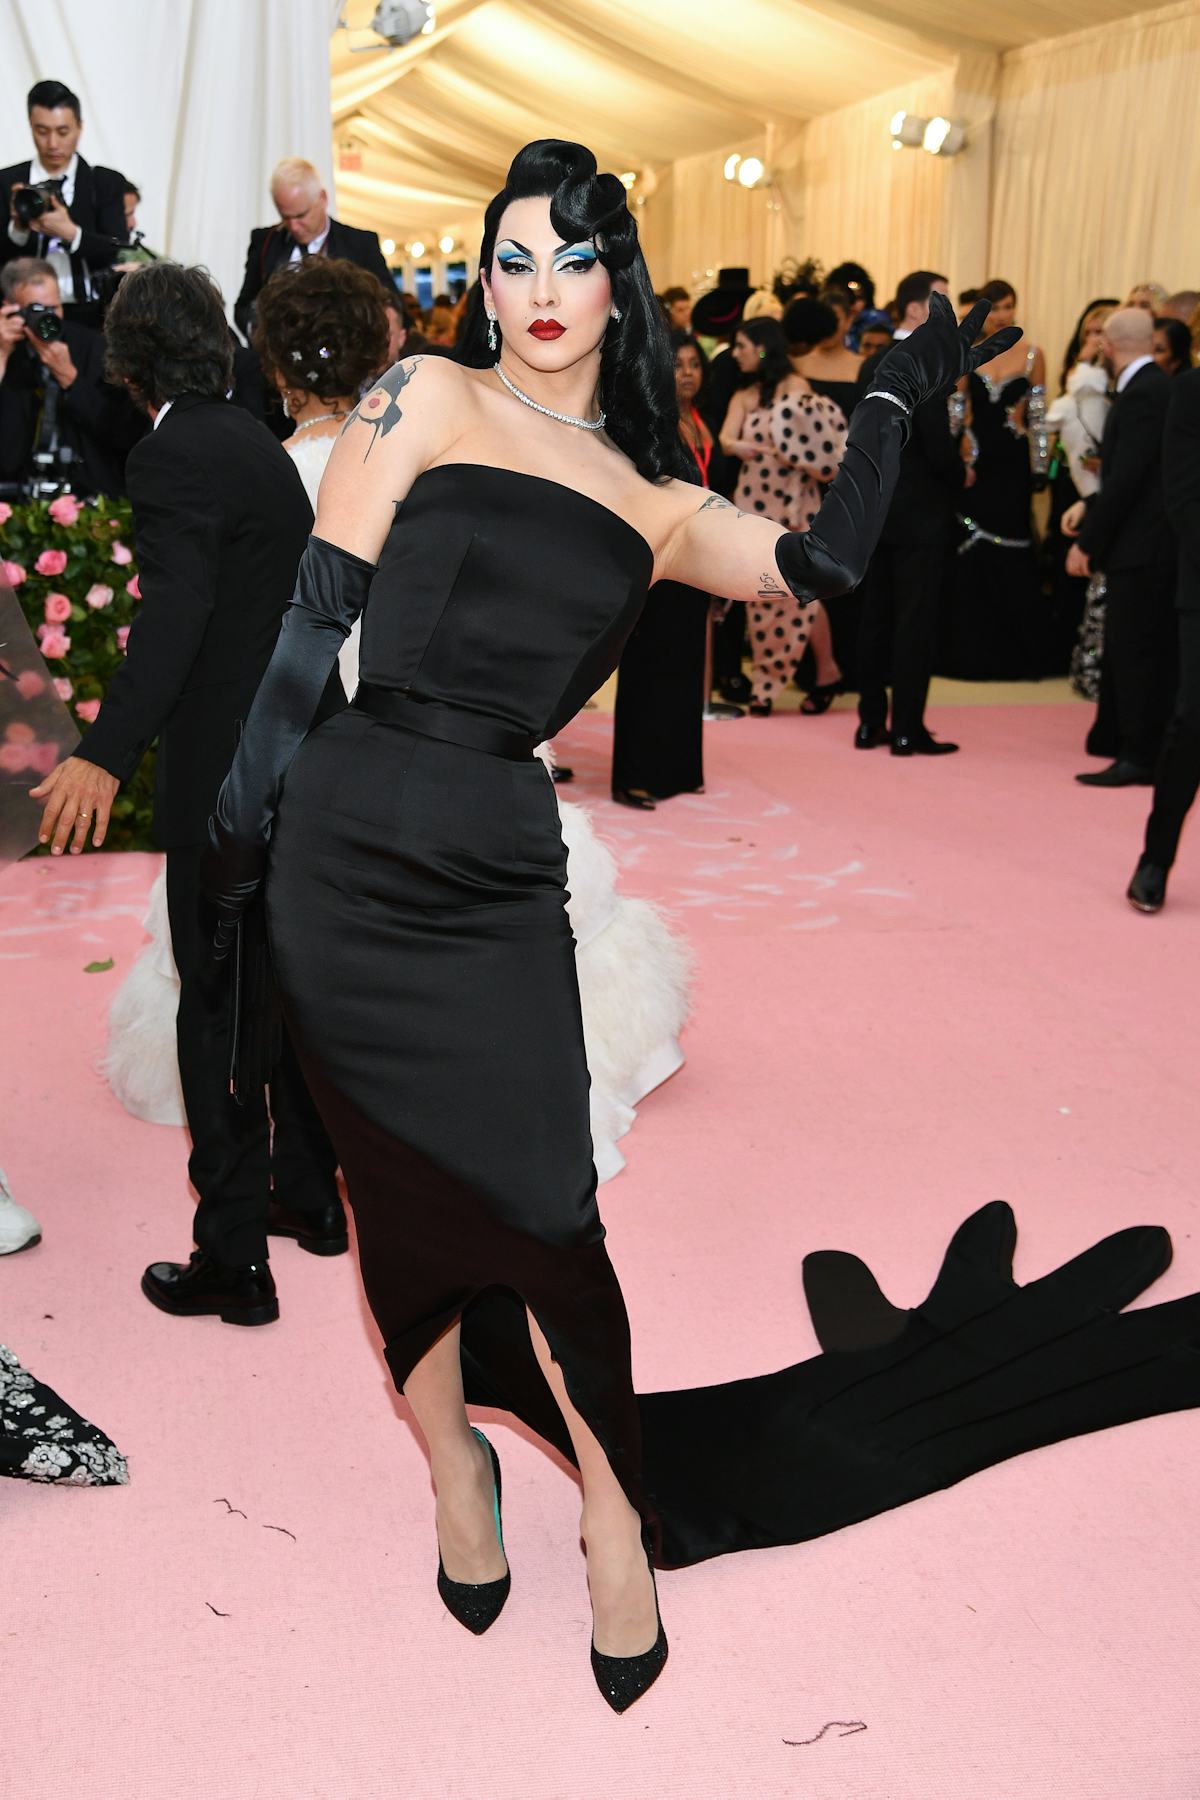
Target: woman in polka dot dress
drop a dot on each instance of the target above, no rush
(790, 442)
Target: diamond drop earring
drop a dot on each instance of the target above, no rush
(493, 341)
(616, 313)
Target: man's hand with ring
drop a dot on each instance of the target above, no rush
(79, 797)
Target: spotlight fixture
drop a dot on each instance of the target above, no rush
(943, 137)
(397, 22)
(446, 244)
(908, 131)
(731, 166)
(416, 248)
(627, 179)
(388, 246)
(751, 172)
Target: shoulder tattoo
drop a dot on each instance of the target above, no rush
(380, 408)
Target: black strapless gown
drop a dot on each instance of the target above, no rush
(415, 899)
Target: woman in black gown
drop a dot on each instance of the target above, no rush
(507, 531)
(995, 628)
(658, 720)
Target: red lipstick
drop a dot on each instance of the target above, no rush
(546, 329)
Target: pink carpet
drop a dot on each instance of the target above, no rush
(919, 989)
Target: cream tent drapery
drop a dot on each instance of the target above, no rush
(194, 100)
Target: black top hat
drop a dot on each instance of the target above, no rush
(716, 313)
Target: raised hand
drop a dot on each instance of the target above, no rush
(940, 352)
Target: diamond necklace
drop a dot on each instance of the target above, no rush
(563, 418)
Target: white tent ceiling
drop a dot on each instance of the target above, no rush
(423, 135)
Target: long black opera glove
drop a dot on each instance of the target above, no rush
(903, 1403)
(832, 556)
(331, 591)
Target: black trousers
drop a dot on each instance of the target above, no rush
(1177, 777)
(235, 1161)
(897, 634)
(1141, 653)
(658, 719)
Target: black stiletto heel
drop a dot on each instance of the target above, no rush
(478, 1604)
(640, 798)
(820, 698)
(624, 1679)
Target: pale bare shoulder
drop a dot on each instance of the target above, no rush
(405, 421)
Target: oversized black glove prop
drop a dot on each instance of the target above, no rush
(939, 353)
(331, 591)
(832, 556)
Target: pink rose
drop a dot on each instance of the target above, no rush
(43, 757)
(121, 553)
(55, 643)
(57, 609)
(98, 595)
(30, 684)
(13, 573)
(51, 562)
(18, 732)
(65, 510)
(14, 758)
(133, 589)
(122, 638)
(63, 688)
(87, 709)
(5, 512)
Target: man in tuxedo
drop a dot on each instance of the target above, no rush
(1177, 776)
(221, 521)
(897, 632)
(59, 417)
(83, 227)
(305, 228)
(1124, 530)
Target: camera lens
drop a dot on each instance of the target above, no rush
(43, 322)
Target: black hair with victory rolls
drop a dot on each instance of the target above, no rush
(637, 380)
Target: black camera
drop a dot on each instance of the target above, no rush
(29, 203)
(42, 321)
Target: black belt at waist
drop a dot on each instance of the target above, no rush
(449, 724)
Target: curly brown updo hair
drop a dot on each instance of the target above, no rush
(322, 326)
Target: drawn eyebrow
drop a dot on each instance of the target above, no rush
(511, 243)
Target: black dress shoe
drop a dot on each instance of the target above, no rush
(870, 737)
(735, 688)
(639, 798)
(244, 1296)
(560, 774)
(321, 1233)
(921, 743)
(1147, 892)
(1118, 774)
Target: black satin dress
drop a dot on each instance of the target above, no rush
(416, 905)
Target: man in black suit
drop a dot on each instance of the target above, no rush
(1124, 531)
(304, 229)
(897, 632)
(221, 521)
(83, 227)
(1178, 774)
(60, 420)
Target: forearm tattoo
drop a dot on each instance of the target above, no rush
(380, 409)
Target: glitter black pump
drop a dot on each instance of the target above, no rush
(624, 1679)
(478, 1604)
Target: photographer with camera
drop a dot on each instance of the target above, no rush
(59, 208)
(62, 425)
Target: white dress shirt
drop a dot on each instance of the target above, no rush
(1127, 374)
(161, 414)
(300, 251)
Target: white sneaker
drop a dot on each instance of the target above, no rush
(19, 1230)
